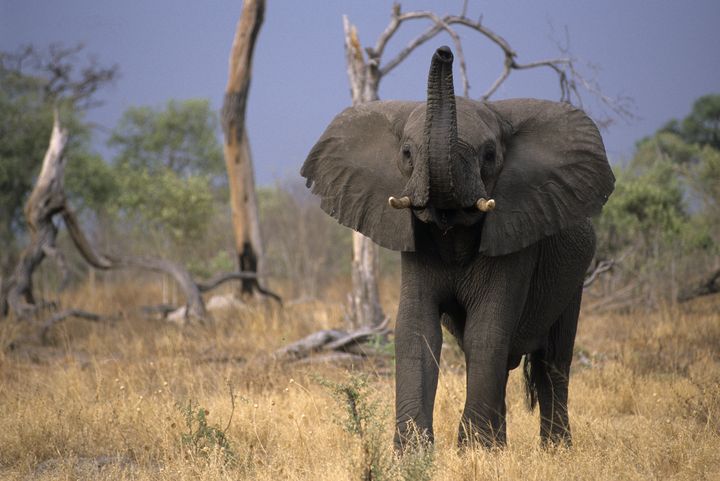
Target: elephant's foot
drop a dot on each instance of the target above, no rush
(409, 437)
(555, 436)
(485, 433)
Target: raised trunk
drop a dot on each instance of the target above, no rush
(441, 130)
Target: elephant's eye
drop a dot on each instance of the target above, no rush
(405, 162)
(407, 154)
(489, 155)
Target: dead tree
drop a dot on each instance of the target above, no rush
(238, 160)
(47, 201)
(366, 70)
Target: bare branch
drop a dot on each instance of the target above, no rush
(602, 266)
(387, 34)
(220, 279)
(403, 54)
(570, 79)
(62, 79)
(463, 13)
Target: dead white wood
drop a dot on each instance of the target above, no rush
(357, 342)
(46, 200)
(601, 267)
(238, 159)
(309, 344)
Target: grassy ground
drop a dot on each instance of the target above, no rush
(148, 400)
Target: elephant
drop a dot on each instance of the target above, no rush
(489, 203)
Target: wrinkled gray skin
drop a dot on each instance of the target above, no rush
(505, 283)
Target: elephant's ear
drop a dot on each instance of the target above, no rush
(353, 168)
(555, 173)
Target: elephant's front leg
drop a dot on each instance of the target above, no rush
(418, 340)
(483, 419)
(494, 304)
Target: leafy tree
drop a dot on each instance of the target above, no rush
(647, 206)
(169, 169)
(664, 216)
(702, 126)
(183, 137)
(163, 202)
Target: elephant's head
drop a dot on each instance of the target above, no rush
(527, 167)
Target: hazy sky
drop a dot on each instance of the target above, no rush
(663, 54)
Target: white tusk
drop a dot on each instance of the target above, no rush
(401, 203)
(485, 205)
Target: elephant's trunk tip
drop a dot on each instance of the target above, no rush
(485, 205)
(444, 54)
(401, 203)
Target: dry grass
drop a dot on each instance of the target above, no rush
(105, 401)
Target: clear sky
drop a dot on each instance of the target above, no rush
(662, 53)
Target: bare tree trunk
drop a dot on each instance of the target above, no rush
(238, 161)
(46, 200)
(365, 309)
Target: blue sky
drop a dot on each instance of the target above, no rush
(663, 54)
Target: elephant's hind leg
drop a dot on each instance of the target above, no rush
(550, 370)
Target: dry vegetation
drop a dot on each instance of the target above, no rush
(109, 401)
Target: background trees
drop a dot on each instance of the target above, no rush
(169, 175)
(663, 220)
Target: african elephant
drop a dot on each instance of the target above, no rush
(489, 204)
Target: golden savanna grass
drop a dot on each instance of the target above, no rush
(105, 401)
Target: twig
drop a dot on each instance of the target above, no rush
(602, 266)
(232, 404)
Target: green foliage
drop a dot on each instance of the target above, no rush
(220, 262)
(169, 170)
(664, 215)
(163, 201)
(645, 205)
(182, 138)
(203, 438)
(25, 123)
(702, 126)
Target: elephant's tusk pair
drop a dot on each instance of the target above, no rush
(485, 205)
(401, 203)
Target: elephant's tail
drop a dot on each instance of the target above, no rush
(531, 394)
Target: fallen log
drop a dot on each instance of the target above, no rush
(336, 341)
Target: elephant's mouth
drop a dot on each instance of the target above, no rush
(446, 219)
